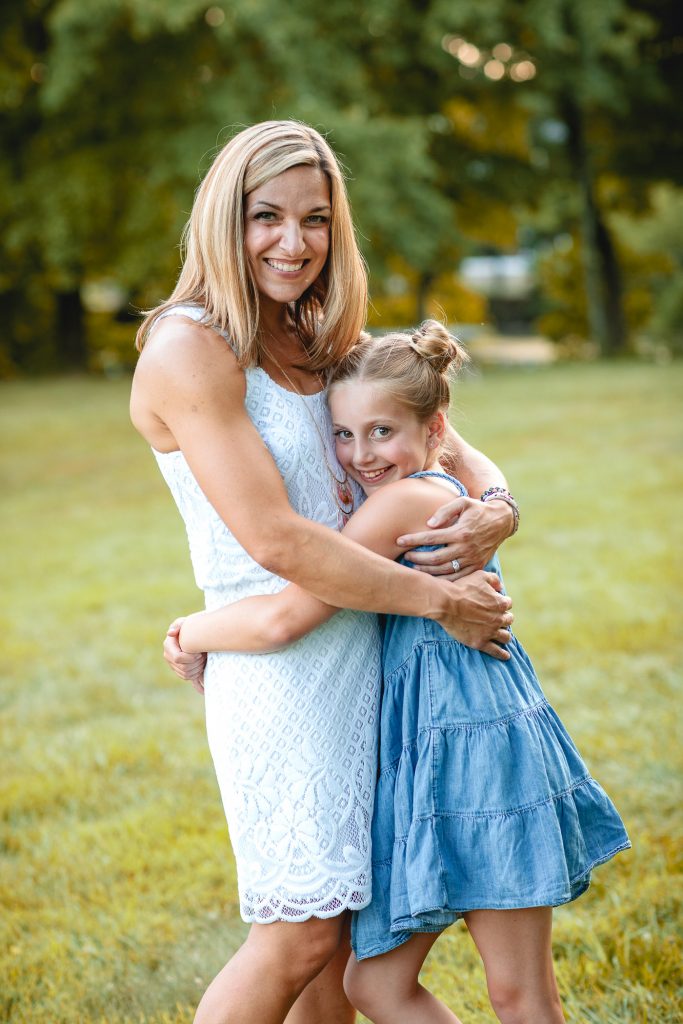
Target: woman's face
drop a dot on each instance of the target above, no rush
(378, 440)
(287, 232)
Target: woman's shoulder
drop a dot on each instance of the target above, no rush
(180, 339)
(184, 365)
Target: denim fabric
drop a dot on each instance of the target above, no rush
(482, 801)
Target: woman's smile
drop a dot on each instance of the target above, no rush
(286, 268)
(287, 232)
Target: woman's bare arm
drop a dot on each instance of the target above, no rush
(268, 623)
(189, 389)
(471, 467)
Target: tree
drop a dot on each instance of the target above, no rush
(583, 63)
(110, 110)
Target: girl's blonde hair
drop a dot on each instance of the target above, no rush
(416, 369)
(216, 275)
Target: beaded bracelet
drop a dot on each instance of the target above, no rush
(500, 494)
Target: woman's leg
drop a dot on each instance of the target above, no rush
(516, 948)
(265, 976)
(324, 1001)
(386, 988)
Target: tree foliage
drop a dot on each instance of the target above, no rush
(111, 110)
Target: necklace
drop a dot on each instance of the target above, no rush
(343, 495)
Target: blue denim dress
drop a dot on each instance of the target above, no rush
(482, 801)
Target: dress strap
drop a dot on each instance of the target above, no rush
(196, 313)
(442, 476)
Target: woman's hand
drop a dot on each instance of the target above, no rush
(480, 616)
(188, 666)
(471, 530)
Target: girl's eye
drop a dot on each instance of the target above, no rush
(264, 215)
(318, 218)
(381, 431)
(342, 435)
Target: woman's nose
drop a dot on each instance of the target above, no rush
(292, 239)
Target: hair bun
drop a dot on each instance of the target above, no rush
(433, 342)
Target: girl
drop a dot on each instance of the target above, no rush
(484, 808)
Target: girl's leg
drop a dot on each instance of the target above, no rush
(265, 976)
(516, 948)
(324, 1001)
(386, 988)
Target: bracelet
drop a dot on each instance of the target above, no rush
(500, 494)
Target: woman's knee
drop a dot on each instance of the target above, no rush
(297, 952)
(320, 944)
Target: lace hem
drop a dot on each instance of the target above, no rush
(265, 908)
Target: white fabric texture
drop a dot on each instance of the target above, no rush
(293, 734)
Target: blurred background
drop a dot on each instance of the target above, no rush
(514, 166)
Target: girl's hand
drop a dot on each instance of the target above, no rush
(471, 530)
(188, 666)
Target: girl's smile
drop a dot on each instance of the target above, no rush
(378, 439)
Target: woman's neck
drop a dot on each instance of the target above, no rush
(283, 354)
(274, 319)
(278, 338)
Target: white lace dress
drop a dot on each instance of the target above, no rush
(293, 735)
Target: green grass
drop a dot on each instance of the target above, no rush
(118, 888)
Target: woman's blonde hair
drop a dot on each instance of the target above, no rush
(216, 275)
(416, 369)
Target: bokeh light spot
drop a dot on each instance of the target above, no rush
(214, 17)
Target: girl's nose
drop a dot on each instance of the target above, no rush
(292, 239)
(362, 454)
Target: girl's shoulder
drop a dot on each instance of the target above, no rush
(414, 494)
(399, 508)
(444, 479)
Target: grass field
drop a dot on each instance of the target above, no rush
(118, 888)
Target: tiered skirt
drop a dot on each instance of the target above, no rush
(482, 802)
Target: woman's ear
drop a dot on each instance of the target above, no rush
(436, 429)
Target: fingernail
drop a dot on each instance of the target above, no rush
(432, 522)
(401, 540)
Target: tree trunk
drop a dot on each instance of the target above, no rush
(424, 283)
(601, 270)
(70, 327)
(617, 334)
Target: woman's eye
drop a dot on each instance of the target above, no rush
(318, 218)
(264, 215)
(382, 431)
(342, 435)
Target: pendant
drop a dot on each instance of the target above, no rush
(345, 494)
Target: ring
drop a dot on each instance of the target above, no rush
(456, 565)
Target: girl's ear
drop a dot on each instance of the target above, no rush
(436, 429)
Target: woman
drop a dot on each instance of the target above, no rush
(229, 392)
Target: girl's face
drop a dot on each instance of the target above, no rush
(378, 439)
(287, 232)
